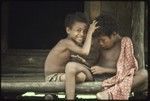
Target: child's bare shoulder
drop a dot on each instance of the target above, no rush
(63, 41)
(126, 38)
(66, 41)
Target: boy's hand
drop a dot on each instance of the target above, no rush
(79, 57)
(97, 70)
(93, 27)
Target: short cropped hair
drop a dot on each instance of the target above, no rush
(107, 24)
(76, 17)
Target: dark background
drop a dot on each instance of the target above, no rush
(38, 24)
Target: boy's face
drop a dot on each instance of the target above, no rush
(105, 41)
(77, 32)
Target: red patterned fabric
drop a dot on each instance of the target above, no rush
(118, 87)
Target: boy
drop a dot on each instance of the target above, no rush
(58, 64)
(116, 63)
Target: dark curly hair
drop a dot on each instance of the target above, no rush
(107, 24)
(76, 17)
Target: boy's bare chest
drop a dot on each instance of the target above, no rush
(110, 57)
(111, 54)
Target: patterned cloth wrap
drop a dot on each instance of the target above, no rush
(55, 77)
(118, 87)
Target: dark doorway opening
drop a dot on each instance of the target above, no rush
(38, 24)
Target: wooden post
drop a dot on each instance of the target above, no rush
(92, 8)
(137, 28)
(4, 26)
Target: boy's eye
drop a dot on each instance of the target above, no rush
(85, 31)
(102, 40)
(79, 30)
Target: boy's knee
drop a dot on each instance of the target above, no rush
(144, 73)
(141, 80)
(145, 76)
(81, 77)
(70, 68)
(141, 76)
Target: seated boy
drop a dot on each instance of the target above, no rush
(58, 64)
(116, 65)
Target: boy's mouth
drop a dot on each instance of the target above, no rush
(79, 39)
(104, 47)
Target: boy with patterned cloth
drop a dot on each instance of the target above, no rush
(116, 67)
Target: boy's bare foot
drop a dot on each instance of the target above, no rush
(102, 96)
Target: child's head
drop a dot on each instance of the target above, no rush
(107, 34)
(76, 26)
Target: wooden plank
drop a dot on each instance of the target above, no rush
(22, 75)
(51, 87)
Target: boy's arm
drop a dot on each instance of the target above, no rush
(102, 70)
(87, 44)
(94, 54)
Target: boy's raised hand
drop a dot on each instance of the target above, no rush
(93, 27)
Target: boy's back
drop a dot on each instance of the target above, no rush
(57, 58)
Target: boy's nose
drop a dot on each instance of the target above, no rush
(81, 34)
(101, 43)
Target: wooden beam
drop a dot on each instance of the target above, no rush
(138, 31)
(92, 8)
(50, 87)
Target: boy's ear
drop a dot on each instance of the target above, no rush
(114, 33)
(67, 29)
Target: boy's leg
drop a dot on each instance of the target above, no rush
(72, 69)
(102, 96)
(140, 81)
(80, 77)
